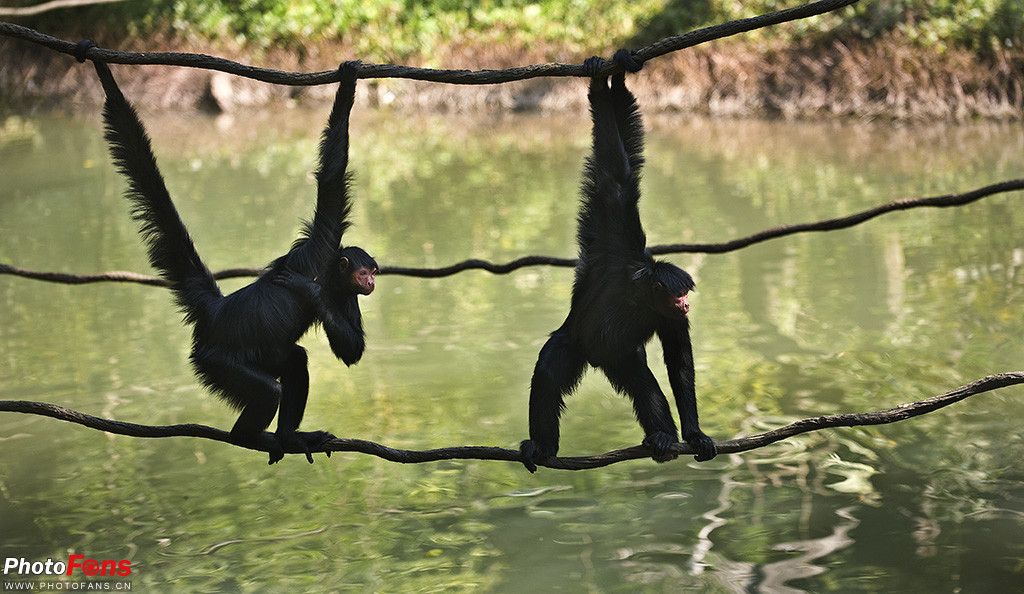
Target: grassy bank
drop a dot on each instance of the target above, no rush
(904, 58)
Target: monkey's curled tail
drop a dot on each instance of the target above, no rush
(168, 243)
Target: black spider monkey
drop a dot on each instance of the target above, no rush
(244, 344)
(621, 296)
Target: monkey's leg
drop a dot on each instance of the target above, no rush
(635, 379)
(294, 393)
(254, 391)
(557, 373)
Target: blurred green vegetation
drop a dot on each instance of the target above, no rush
(393, 30)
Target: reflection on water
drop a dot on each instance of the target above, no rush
(901, 308)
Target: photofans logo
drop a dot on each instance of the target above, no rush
(76, 574)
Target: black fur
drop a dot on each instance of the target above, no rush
(244, 344)
(617, 286)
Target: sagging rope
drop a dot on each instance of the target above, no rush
(458, 77)
(733, 446)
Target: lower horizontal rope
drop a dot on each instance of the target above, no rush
(892, 415)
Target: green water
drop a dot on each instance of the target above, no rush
(901, 308)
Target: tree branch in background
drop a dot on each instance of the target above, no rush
(946, 201)
(116, 276)
(847, 221)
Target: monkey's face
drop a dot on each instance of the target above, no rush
(363, 280)
(676, 307)
(356, 281)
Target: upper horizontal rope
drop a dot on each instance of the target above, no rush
(458, 77)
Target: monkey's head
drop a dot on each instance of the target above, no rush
(670, 286)
(355, 271)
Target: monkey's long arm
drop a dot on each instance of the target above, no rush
(678, 354)
(319, 243)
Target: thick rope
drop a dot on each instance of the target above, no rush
(733, 446)
(458, 77)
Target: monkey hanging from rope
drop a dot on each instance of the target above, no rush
(621, 295)
(244, 344)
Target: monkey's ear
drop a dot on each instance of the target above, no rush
(343, 263)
